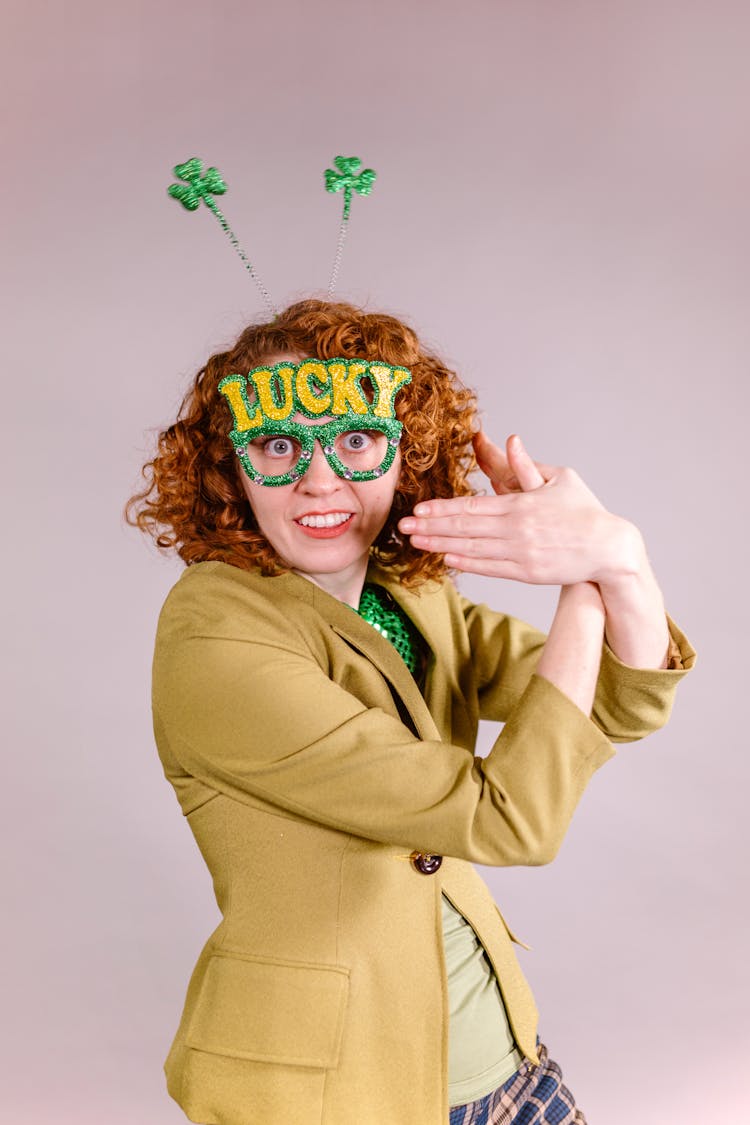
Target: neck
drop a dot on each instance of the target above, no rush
(346, 585)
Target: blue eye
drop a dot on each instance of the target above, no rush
(278, 447)
(356, 441)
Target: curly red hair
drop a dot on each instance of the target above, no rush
(194, 502)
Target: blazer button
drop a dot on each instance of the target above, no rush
(426, 864)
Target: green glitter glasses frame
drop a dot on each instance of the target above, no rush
(374, 456)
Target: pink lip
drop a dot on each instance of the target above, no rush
(324, 532)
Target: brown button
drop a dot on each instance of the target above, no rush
(426, 864)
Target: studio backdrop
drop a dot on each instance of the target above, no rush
(561, 210)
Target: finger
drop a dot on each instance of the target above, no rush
(490, 454)
(524, 468)
(467, 505)
(494, 464)
(460, 527)
(492, 548)
(491, 568)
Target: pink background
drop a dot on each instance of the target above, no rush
(562, 209)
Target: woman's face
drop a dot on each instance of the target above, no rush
(323, 525)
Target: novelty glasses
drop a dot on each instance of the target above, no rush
(280, 453)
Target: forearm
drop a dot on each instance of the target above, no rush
(572, 652)
(636, 624)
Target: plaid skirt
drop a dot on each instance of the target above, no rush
(534, 1095)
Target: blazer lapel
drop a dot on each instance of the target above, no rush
(431, 615)
(368, 641)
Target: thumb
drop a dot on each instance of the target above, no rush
(494, 464)
(527, 473)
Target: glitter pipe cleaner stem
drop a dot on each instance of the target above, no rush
(245, 260)
(337, 259)
(199, 186)
(346, 177)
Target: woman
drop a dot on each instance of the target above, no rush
(317, 480)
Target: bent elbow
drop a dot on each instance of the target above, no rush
(538, 850)
(544, 853)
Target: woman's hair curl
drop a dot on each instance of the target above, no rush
(194, 501)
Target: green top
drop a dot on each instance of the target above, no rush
(378, 608)
(482, 1053)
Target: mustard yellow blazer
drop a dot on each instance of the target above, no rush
(310, 767)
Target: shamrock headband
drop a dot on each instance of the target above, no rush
(314, 387)
(360, 439)
(198, 186)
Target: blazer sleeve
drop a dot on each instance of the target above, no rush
(257, 717)
(629, 702)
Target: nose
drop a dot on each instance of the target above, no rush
(319, 479)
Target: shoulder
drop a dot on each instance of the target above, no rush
(219, 600)
(431, 592)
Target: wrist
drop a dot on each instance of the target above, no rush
(582, 594)
(635, 624)
(627, 562)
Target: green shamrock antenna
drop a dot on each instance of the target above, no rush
(347, 178)
(200, 186)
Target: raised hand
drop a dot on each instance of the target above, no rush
(542, 526)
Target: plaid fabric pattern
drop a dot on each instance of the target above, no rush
(534, 1095)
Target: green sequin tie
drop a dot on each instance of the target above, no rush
(379, 609)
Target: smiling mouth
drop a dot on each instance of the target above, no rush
(330, 519)
(325, 526)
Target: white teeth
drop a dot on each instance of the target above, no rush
(333, 519)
